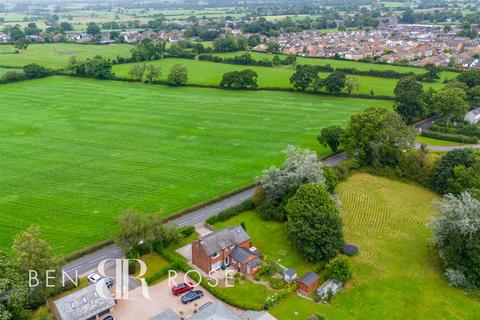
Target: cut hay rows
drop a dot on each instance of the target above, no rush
(387, 220)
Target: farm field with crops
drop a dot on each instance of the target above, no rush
(79, 152)
(396, 274)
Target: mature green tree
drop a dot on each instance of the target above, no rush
(254, 40)
(473, 97)
(456, 234)
(338, 268)
(450, 104)
(93, 29)
(66, 26)
(240, 79)
(301, 166)
(142, 232)
(351, 84)
(35, 254)
(330, 136)
(273, 47)
(314, 224)
(13, 290)
(178, 74)
(432, 74)
(409, 99)
(335, 82)
(153, 73)
(377, 136)
(137, 71)
(16, 33)
(147, 49)
(303, 77)
(471, 78)
(457, 171)
(21, 44)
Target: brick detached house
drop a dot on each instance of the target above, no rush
(223, 248)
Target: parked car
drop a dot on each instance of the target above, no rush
(192, 296)
(182, 288)
(94, 277)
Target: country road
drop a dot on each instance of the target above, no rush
(89, 263)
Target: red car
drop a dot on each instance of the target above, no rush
(181, 288)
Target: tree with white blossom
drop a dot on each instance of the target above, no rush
(456, 234)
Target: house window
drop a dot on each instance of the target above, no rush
(215, 255)
(232, 246)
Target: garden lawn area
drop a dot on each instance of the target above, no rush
(211, 73)
(270, 237)
(436, 142)
(77, 152)
(396, 274)
(248, 292)
(57, 55)
(155, 263)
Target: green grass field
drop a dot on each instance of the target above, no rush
(210, 73)
(79, 152)
(56, 55)
(396, 274)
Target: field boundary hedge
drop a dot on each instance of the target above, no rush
(212, 86)
(450, 137)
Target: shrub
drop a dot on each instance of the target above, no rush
(450, 137)
(258, 196)
(338, 268)
(187, 231)
(231, 212)
(277, 283)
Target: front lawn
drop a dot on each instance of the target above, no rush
(270, 238)
(155, 264)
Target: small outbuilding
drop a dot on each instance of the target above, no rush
(332, 285)
(308, 283)
(473, 116)
(289, 275)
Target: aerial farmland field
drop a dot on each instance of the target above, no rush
(57, 55)
(210, 73)
(75, 158)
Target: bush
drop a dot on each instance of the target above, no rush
(277, 283)
(186, 231)
(450, 137)
(258, 196)
(338, 268)
(13, 76)
(267, 211)
(226, 214)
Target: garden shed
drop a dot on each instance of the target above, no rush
(290, 275)
(308, 283)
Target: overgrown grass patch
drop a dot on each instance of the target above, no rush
(396, 274)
